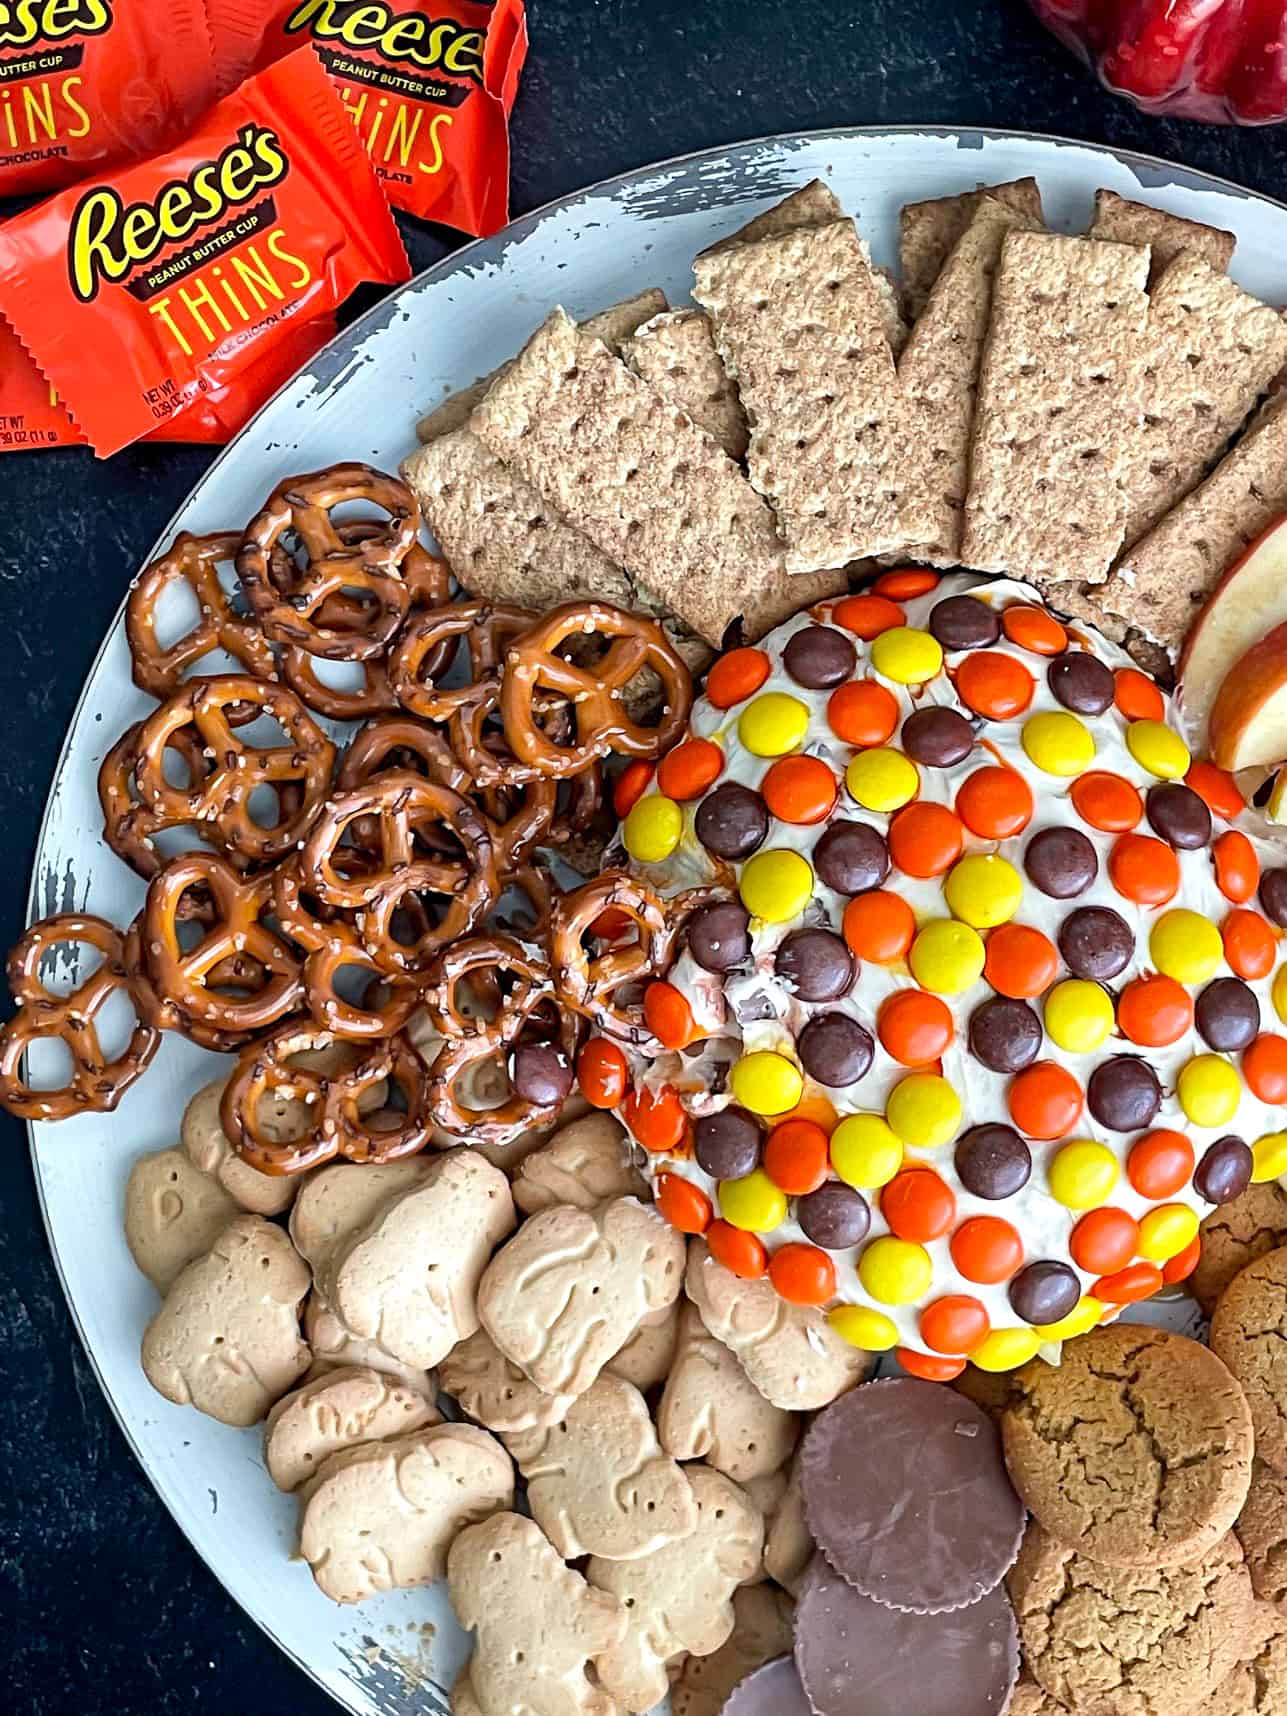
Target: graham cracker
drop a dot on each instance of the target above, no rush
(1059, 399)
(675, 354)
(1162, 581)
(613, 326)
(636, 476)
(797, 322)
(1213, 351)
(1121, 221)
(939, 372)
(1085, 603)
(929, 231)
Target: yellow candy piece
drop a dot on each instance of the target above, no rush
(895, 1271)
(1165, 1231)
(907, 655)
(1006, 1349)
(766, 1082)
(882, 780)
(1269, 1157)
(773, 724)
(870, 1330)
(924, 1111)
(983, 891)
(753, 1203)
(1209, 1091)
(947, 957)
(775, 885)
(1079, 1016)
(865, 1151)
(1185, 946)
(1059, 743)
(1083, 1317)
(1082, 1174)
(652, 829)
(1159, 749)
(1279, 993)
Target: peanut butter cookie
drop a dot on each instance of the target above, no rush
(1249, 1332)
(1262, 1531)
(1137, 1448)
(1236, 1234)
(1258, 1686)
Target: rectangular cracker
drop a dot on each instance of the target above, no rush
(634, 474)
(1121, 221)
(1160, 584)
(1059, 398)
(1213, 351)
(613, 326)
(929, 231)
(797, 321)
(939, 372)
(675, 354)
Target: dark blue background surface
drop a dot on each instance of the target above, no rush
(103, 1606)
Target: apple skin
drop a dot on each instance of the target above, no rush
(1248, 721)
(1250, 598)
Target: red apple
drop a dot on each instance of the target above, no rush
(1247, 727)
(1249, 600)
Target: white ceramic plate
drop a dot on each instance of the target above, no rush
(360, 399)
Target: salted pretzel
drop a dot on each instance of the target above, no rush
(594, 691)
(333, 946)
(240, 976)
(471, 1042)
(300, 510)
(128, 824)
(193, 560)
(416, 660)
(597, 985)
(337, 1127)
(96, 1084)
(219, 803)
(412, 819)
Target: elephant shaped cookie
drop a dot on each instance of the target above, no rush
(336, 1410)
(680, 1597)
(409, 1279)
(584, 1163)
(648, 1355)
(711, 1410)
(338, 1201)
(495, 1392)
(599, 1483)
(539, 1624)
(207, 1148)
(790, 1352)
(173, 1214)
(226, 1339)
(573, 1285)
(382, 1516)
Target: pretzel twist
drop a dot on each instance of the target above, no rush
(596, 984)
(193, 560)
(333, 946)
(416, 661)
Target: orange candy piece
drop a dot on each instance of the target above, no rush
(1250, 945)
(1144, 870)
(1264, 1067)
(918, 1205)
(1104, 1241)
(987, 1249)
(668, 1015)
(1137, 1281)
(736, 676)
(1045, 1101)
(684, 1205)
(1182, 1265)
(742, 1253)
(802, 790)
(1034, 629)
(995, 802)
(1020, 962)
(929, 1366)
(611, 924)
(690, 769)
(1106, 801)
(1218, 788)
(868, 615)
(656, 1118)
(905, 583)
(1237, 870)
(863, 712)
(1136, 696)
(802, 1274)
(602, 1073)
(879, 926)
(994, 685)
(925, 839)
(956, 1323)
(1154, 1011)
(915, 1027)
(796, 1157)
(632, 783)
(1160, 1164)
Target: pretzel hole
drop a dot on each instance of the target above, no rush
(183, 764)
(65, 965)
(267, 805)
(115, 1023)
(49, 1064)
(263, 733)
(345, 676)
(175, 613)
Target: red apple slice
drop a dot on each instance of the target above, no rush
(1249, 600)
(1247, 727)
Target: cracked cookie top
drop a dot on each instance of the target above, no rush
(1262, 1531)
(1249, 1332)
